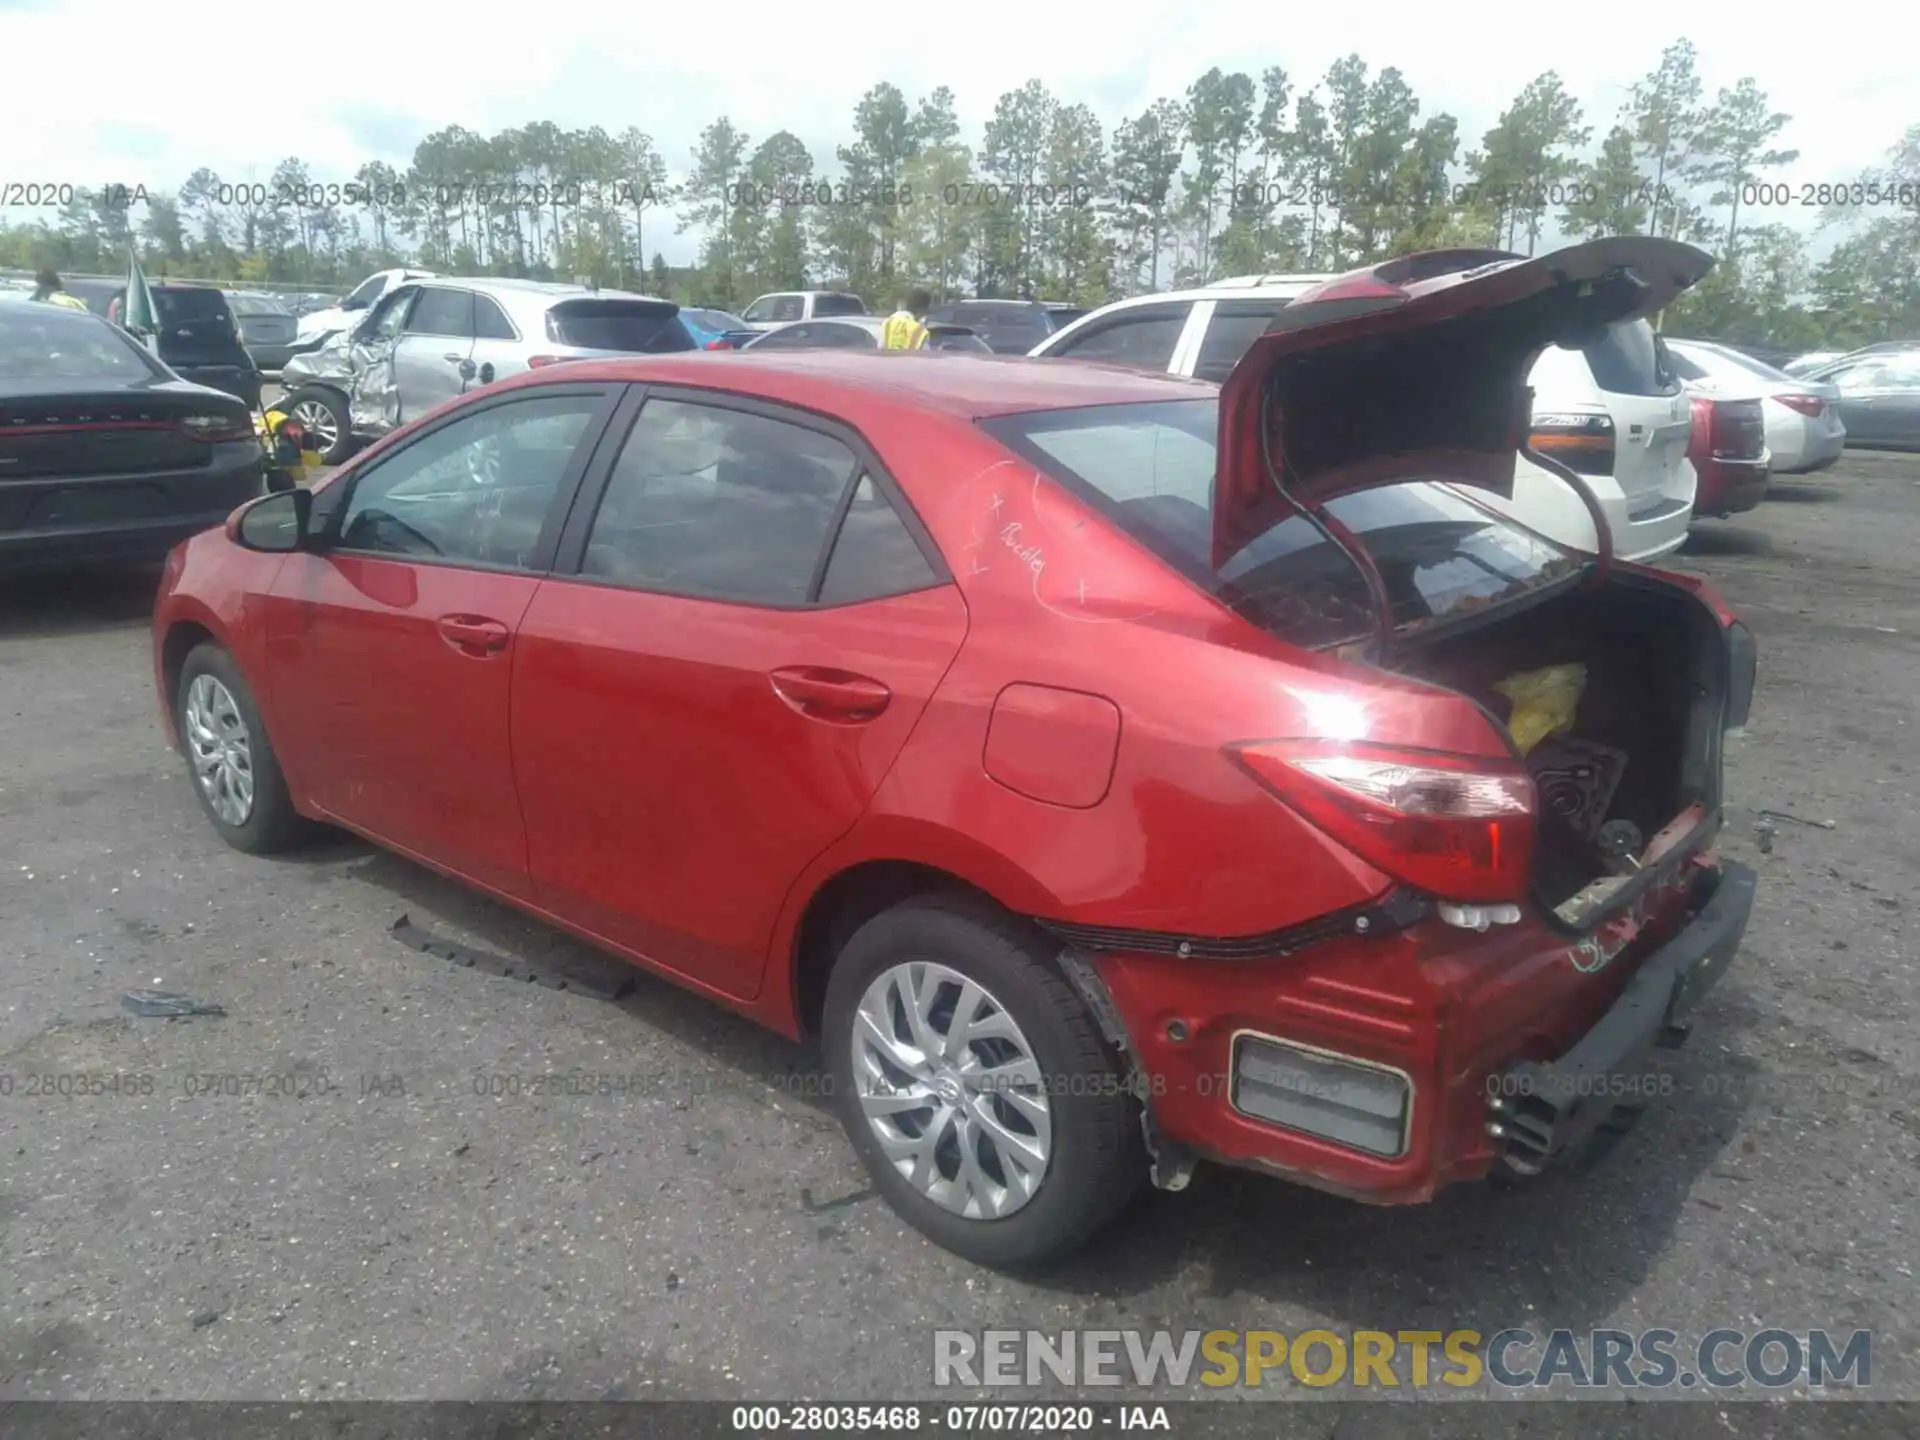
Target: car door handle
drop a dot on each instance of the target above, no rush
(474, 634)
(837, 696)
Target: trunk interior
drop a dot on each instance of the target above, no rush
(1645, 744)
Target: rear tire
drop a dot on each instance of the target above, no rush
(1029, 1140)
(236, 775)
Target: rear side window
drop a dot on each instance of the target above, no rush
(1143, 338)
(490, 321)
(609, 324)
(1631, 360)
(874, 555)
(1230, 334)
(782, 308)
(719, 504)
(839, 305)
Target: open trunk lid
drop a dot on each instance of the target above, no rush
(1416, 369)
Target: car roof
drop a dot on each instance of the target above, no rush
(958, 383)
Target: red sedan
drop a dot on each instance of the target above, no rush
(1113, 771)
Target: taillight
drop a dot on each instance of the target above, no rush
(1734, 429)
(720, 343)
(1812, 406)
(1456, 827)
(214, 429)
(1582, 442)
(540, 362)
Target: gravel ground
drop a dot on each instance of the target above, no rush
(372, 1228)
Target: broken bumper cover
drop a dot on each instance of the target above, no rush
(1547, 1112)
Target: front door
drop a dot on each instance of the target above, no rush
(373, 405)
(391, 648)
(712, 700)
(432, 360)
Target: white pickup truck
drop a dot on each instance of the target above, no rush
(322, 325)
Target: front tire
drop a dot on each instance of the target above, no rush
(236, 775)
(975, 1086)
(324, 414)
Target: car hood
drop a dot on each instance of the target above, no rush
(1416, 369)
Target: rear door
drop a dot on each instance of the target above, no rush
(1652, 416)
(374, 405)
(1144, 337)
(433, 358)
(710, 701)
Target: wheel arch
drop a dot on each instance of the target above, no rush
(853, 883)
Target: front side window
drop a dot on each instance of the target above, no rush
(475, 491)
(1149, 467)
(442, 312)
(788, 307)
(719, 504)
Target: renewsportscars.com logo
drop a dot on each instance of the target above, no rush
(1513, 1359)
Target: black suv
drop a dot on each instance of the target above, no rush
(1010, 327)
(199, 338)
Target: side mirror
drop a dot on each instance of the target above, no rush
(274, 524)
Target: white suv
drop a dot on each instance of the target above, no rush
(1615, 413)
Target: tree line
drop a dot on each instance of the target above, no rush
(1240, 174)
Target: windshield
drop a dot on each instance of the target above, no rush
(40, 342)
(1008, 329)
(1150, 468)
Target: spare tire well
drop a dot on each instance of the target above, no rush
(842, 906)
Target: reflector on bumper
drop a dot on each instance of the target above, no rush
(1350, 1102)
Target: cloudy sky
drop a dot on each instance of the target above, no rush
(203, 92)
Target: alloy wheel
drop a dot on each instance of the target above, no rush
(951, 1088)
(222, 749)
(317, 419)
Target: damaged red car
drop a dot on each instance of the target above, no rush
(1111, 772)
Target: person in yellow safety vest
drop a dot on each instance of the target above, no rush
(905, 328)
(47, 288)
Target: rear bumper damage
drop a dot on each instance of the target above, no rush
(1385, 1068)
(1550, 1111)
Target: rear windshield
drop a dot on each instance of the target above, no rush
(1632, 360)
(1150, 468)
(1010, 329)
(1753, 366)
(715, 319)
(46, 342)
(255, 305)
(186, 305)
(616, 325)
(839, 305)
